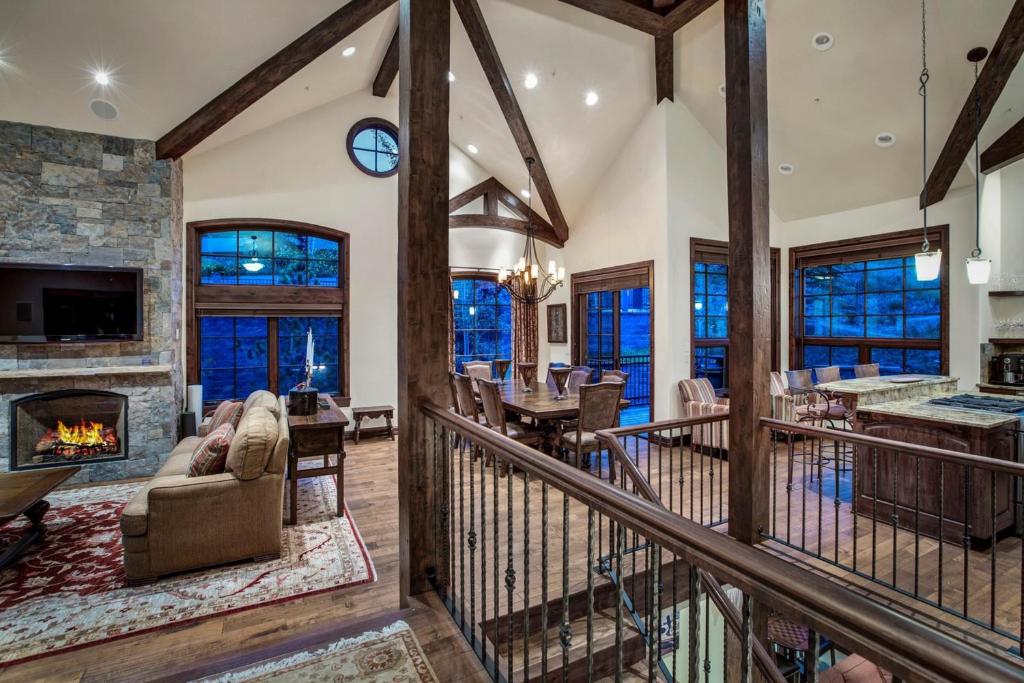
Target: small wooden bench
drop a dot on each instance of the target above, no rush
(373, 412)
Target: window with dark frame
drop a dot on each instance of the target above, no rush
(372, 146)
(251, 303)
(709, 312)
(859, 301)
(483, 319)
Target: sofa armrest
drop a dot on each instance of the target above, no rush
(204, 427)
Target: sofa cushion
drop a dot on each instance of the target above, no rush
(135, 516)
(253, 443)
(180, 458)
(226, 412)
(262, 399)
(211, 455)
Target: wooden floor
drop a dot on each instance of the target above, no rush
(179, 653)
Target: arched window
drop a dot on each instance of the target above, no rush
(483, 319)
(373, 147)
(256, 287)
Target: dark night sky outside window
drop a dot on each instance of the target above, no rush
(483, 321)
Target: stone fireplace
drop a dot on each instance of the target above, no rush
(68, 427)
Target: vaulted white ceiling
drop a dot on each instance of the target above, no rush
(170, 58)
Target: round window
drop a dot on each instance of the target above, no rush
(373, 147)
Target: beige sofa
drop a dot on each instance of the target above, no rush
(177, 523)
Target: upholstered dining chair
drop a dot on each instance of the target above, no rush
(577, 378)
(614, 376)
(699, 399)
(867, 370)
(478, 369)
(465, 400)
(599, 409)
(494, 416)
(826, 375)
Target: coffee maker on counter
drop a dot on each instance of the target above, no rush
(1007, 369)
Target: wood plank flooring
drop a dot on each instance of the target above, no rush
(372, 497)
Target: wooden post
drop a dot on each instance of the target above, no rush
(424, 49)
(746, 98)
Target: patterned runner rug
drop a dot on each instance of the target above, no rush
(390, 655)
(71, 591)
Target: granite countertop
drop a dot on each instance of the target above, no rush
(921, 408)
(868, 385)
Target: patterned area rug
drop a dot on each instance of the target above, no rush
(71, 591)
(390, 655)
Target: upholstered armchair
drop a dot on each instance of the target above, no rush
(785, 404)
(699, 398)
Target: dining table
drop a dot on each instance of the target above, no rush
(539, 402)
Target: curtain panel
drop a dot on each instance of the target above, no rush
(525, 334)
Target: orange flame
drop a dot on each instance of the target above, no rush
(81, 434)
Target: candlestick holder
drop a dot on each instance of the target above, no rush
(501, 366)
(527, 373)
(561, 376)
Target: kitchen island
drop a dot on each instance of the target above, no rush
(930, 493)
(865, 391)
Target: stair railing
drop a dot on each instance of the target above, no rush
(518, 536)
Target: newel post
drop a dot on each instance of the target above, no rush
(423, 290)
(746, 98)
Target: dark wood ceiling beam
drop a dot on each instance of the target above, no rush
(664, 67)
(519, 207)
(483, 220)
(388, 69)
(623, 12)
(487, 53)
(463, 198)
(1004, 151)
(999, 66)
(687, 11)
(267, 76)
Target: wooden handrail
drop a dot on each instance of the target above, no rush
(980, 461)
(902, 645)
(677, 423)
(716, 594)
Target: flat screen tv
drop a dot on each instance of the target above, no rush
(51, 303)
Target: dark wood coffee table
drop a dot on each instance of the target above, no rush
(22, 493)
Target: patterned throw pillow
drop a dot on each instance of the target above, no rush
(211, 454)
(227, 412)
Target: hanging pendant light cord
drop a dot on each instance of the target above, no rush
(977, 168)
(923, 92)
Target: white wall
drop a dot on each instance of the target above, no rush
(298, 169)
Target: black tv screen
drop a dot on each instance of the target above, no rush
(42, 303)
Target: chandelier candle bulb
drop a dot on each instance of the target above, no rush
(552, 267)
(561, 274)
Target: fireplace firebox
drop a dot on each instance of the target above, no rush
(68, 427)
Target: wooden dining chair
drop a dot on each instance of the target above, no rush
(827, 375)
(494, 416)
(478, 369)
(614, 376)
(599, 409)
(867, 370)
(465, 400)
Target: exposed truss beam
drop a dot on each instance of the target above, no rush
(388, 69)
(623, 12)
(664, 66)
(494, 193)
(685, 12)
(998, 67)
(268, 76)
(487, 53)
(1004, 151)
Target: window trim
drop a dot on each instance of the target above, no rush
(357, 128)
(490, 277)
(272, 301)
(717, 251)
(898, 244)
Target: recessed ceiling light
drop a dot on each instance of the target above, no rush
(786, 169)
(721, 90)
(348, 51)
(822, 41)
(103, 109)
(101, 77)
(591, 98)
(885, 139)
(525, 193)
(473, 149)
(451, 77)
(530, 81)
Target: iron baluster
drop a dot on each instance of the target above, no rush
(565, 633)
(590, 594)
(544, 580)
(510, 570)
(526, 576)
(693, 611)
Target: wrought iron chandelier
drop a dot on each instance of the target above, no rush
(527, 281)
